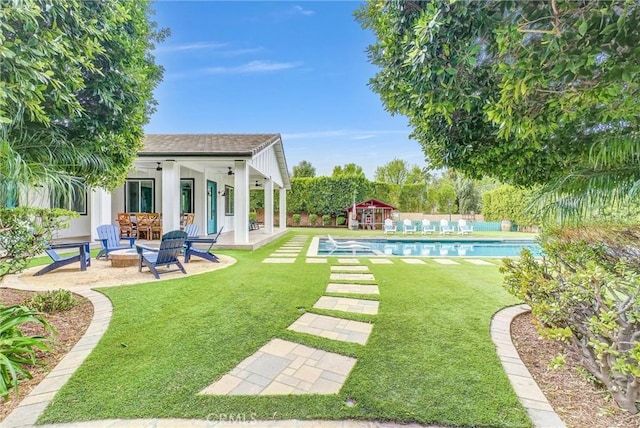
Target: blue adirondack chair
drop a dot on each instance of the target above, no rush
(109, 236)
(83, 256)
(204, 251)
(170, 247)
(191, 229)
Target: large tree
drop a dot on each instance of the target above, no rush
(394, 172)
(349, 170)
(526, 92)
(76, 82)
(304, 169)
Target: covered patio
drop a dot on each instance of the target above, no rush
(207, 175)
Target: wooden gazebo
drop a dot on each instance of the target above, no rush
(369, 214)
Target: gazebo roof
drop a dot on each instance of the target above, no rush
(371, 203)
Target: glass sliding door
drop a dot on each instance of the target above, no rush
(139, 196)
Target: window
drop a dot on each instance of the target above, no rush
(74, 198)
(228, 201)
(186, 195)
(138, 196)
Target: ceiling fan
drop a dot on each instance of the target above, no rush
(230, 171)
(159, 167)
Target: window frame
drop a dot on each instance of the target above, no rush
(67, 201)
(228, 200)
(192, 202)
(153, 194)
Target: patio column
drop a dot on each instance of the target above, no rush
(241, 203)
(100, 210)
(170, 196)
(268, 206)
(283, 208)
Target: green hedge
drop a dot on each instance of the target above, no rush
(508, 203)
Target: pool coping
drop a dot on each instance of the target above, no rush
(313, 249)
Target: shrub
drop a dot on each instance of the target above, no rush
(16, 350)
(326, 220)
(24, 232)
(51, 301)
(585, 294)
(313, 218)
(253, 216)
(340, 220)
(296, 219)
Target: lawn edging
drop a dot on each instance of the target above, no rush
(525, 387)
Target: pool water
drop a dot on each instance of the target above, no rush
(431, 248)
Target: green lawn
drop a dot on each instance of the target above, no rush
(429, 359)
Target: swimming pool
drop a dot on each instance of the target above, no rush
(430, 248)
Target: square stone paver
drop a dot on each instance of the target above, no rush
(414, 261)
(381, 261)
(446, 261)
(358, 306)
(279, 260)
(352, 289)
(359, 268)
(479, 262)
(283, 255)
(349, 261)
(352, 276)
(283, 367)
(333, 328)
(312, 260)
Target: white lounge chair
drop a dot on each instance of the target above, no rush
(463, 227)
(346, 245)
(464, 248)
(389, 227)
(445, 227)
(427, 227)
(408, 226)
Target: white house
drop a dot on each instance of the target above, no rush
(206, 174)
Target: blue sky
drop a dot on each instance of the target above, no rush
(298, 68)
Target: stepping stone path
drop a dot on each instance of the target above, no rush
(352, 277)
(414, 261)
(479, 262)
(352, 289)
(381, 261)
(347, 304)
(285, 367)
(446, 261)
(349, 269)
(288, 252)
(310, 260)
(333, 328)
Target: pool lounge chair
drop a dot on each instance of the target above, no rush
(346, 245)
(445, 227)
(427, 227)
(408, 226)
(389, 227)
(464, 228)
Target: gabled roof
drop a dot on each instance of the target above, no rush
(371, 203)
(223, 145)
